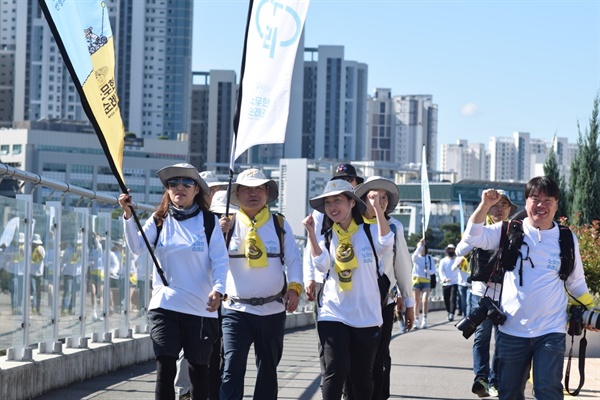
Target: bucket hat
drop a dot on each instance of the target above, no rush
(182, 170)
(253, 177)
(211, 179)
(513, 206)
(380, 183)
(333, 188)
(37, 239)
(346, 171)
(219, 203)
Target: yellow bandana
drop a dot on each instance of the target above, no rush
(254, 248)
(345, 258)
(76, 257)
(20, 254)
(36, 257)
(464, 265)
(370, 221)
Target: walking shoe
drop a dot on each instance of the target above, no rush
(493, 391)
(402, 326)
(424, 323)
(480, 388)
(416, 325)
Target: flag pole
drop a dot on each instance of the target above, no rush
(92, 118)
(238, 106)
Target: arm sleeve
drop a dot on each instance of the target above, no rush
(403, 269)
(219, 258)
(134, 238)
(575, 283)
(484, 237)
(293, 258)
(462, 249)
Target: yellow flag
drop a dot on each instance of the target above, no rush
(83, 34)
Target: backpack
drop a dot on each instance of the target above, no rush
(209, 226)
(383, 282)
(278, 221)
(511, 240)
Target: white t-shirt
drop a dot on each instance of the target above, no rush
(449, 270)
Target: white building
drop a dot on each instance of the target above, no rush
(469, 161)
(77, 158)
(503, 159)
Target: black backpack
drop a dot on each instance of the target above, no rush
(511, 240)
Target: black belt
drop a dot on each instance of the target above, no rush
(257, 301)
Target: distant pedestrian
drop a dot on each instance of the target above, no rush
(449, 279)
(423, 268)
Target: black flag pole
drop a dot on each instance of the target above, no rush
(238, 106)
(92, 118)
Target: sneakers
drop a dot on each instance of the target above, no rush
(416, 323)
(450, 317)
(424, 323)
(480, 388)
(402, 326)
(493, 391)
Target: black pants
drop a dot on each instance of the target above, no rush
(348, 351)
(450, 297)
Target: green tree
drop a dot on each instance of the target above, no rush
(414, 238)
(452, 235)
(585, 173)
(552, 171)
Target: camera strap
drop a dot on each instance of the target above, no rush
(582, 348)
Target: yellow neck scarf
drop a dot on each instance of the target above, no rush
(345, 258)
(254, 248)
(370, 221)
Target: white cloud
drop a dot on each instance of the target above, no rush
(469, 109)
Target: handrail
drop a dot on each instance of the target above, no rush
(7, 171)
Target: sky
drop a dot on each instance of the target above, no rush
(492, 67)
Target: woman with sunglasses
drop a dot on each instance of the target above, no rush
(183, 314)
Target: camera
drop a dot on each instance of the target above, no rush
(487, 309)
(580, 317)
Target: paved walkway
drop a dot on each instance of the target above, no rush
(434, 363)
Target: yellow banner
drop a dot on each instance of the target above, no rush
(82, 31)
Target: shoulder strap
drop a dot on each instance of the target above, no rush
(158, 229)
(209, 224)
(230, 231)
(567, 252)
(278, 221)
(394, 229)
(367, 229)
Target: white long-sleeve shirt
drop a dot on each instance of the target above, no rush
(191, 268)
(246, 282)
(449, 270)
(309, 271)
(359, 307)
(478, 288)
(423, 266)
(539, 306)
(399, 271)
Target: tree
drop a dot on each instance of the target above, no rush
(552, 171)
(585, 173)
(452, 235)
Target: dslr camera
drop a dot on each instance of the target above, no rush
(580, 317)
(487, 309)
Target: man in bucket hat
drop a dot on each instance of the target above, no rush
(258, 290)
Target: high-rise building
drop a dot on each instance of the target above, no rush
(154, 72)
(503, 159)
(213, 106)
(335, 105)
(384, 142)
(416, 116)
(469, 161)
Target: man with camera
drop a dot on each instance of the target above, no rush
(533, 302)
(484, 285)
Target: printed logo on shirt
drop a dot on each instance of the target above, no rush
(553, 261)
(272, 246)
(366, 254)
(199, 243)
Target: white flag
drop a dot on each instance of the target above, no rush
(425, 196)
(462, 215)
(274, 32)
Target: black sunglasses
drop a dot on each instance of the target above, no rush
(186, 182)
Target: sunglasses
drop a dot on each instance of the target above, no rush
(186, 182)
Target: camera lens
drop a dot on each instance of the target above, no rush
(592, 318)
(469, 324)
